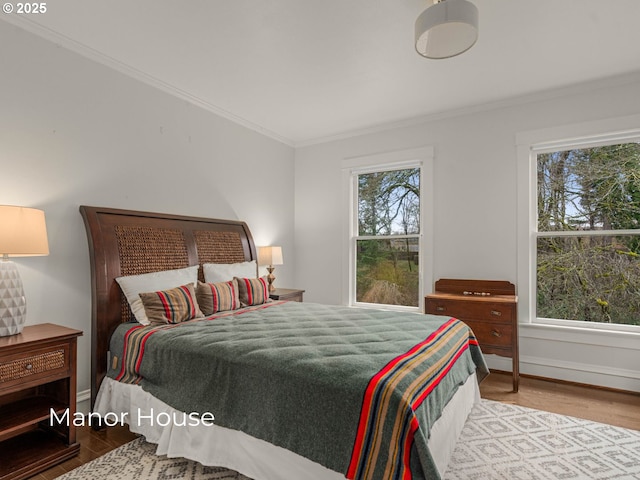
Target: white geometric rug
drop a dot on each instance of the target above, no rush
(502, 441)
(499, 442)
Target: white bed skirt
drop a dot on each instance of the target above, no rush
(214, 445)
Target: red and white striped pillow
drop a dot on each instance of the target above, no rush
(218, 297)
(253, 291)
(175, 305)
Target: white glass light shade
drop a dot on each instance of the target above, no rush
(270, 256)
(446, 29)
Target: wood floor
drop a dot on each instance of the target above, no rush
(591, 403)
(93, 444)
(614, 408)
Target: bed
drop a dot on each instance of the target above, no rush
(298, 391)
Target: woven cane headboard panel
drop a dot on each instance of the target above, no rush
(219, 247)
(148, 249)
(126, 242)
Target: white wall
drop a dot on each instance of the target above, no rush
(475, 200)
(74, 132)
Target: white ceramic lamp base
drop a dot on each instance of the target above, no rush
(13, 305)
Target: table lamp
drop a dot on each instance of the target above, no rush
(270, 256)
(23, 233)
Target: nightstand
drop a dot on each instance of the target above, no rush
(37, 375)
(489, 307)
(287, 294)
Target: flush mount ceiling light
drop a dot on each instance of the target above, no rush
(446, 29)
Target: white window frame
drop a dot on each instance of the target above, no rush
(352, 167)
(529, 145)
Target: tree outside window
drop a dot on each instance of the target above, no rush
(387, 244)
(588, 235)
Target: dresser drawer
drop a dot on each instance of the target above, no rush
(492, 334)
(34, 364)
(470, 309)
(490, 311)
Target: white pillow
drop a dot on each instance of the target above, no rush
(133, 285)
(224, 272)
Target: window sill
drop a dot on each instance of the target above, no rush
(378, 306)
(596, 336)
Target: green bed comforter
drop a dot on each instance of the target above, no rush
(355, 390)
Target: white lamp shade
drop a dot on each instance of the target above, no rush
(446, 29)
(270, 256)
(23, 232)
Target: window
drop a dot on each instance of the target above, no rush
(386, 243)
(388, 219)
(586, 238)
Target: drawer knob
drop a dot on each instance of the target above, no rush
(496, 313)
(440, 309)
(496, 333)
(28, 366)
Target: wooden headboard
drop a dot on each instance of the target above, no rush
(126, 242)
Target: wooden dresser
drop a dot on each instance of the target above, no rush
(489, 307)
(37, 375)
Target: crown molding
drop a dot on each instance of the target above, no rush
(544, 95)
(29, 25)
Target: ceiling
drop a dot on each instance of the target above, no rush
(304, 71)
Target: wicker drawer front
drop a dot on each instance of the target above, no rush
(470, 310)
(34, 365)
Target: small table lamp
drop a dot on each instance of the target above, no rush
(270, 256)
(23, 233)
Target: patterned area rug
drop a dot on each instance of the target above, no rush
(509, 442)
(499, 442)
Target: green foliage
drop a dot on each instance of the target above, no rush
(389, 202)
(387, 273)
(589, 189)
(387, 268)
(590, 278)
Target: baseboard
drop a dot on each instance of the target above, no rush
(565, 382)
(577, 373)
(83, 402)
